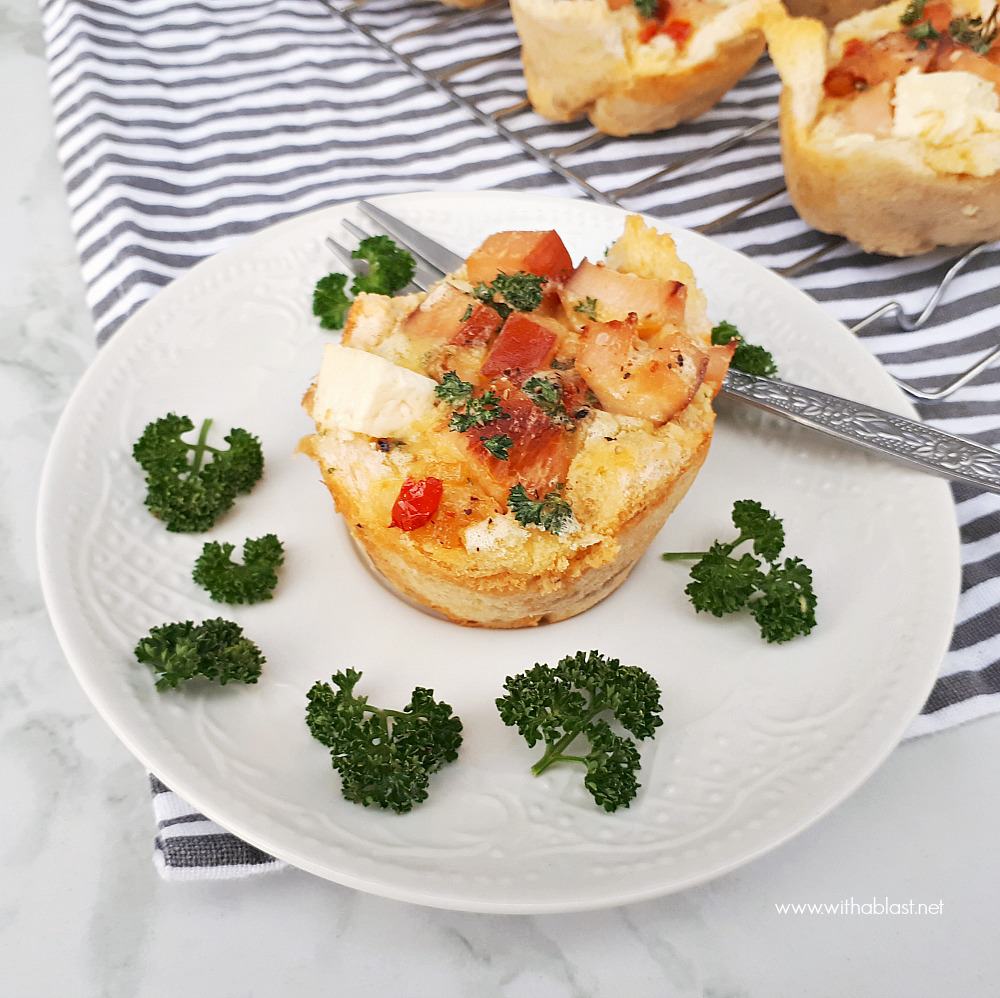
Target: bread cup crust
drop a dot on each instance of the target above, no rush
(882, 204)
(576, 64)
(652, 103)
(866, 191)
(505, 600)
(626, 476)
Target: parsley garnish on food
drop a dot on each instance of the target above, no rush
(190, 485)
(251, 582)
(922, 33)
(780, 599)
(520, 292)
(215, 650)
(453, 389)
(467, 314)
(913, 13)
(648, 8)
(390, 268)
(587, 307)
(478, 411)
(547, 395)
(978, 34)
(561, 704)
(330, 301)
(498, 445)
(384, 757)
(523, 292)
(748, 358)
(551, 513)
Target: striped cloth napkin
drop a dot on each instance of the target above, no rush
(184, 125)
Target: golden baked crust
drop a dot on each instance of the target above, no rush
(582, 58)
(626, 476)
(568, 585)
(877, 193)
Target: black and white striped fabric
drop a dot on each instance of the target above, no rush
(184, 124)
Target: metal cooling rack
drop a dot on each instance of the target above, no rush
(538, 143)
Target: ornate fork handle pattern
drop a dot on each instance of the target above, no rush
(905, 439)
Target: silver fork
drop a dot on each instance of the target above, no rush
(424, 274)
(915, 443)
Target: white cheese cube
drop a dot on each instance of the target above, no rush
(364, 393)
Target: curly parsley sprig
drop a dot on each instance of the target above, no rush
(548, 396)
(498, 445)
(923, 33)
(781, 599)
(190, 485)
(748, 357)
(390, 269)
(520, 292)
(479, 411)
(330, 301)
(975, 32)
(551, 512)
(575, 700)
(215, 650)
(252, 582)
(384, 757)
(453, 389)
(475, 410)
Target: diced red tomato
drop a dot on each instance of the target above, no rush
(841, 82)
(417, 502)
(679, 31)
(540, 452)
(541, 253)
(866, 64)
(524, 345)
(649, 31)
(939, 15)
(481, 326)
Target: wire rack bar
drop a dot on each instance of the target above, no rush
(444, 88)
(440, 81)
(454, 20)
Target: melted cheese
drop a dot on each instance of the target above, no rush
(500, 532)
(955, 115)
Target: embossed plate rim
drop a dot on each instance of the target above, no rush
(218, 801)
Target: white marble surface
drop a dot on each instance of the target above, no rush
(83, 913)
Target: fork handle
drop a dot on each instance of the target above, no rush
(915, 443)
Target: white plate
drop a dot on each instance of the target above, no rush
(757, 741)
